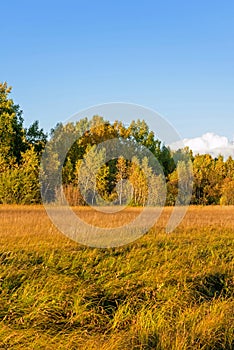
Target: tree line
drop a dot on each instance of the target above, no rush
(88, 178)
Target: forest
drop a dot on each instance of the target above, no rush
(118, 180)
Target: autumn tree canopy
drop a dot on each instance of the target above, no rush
(88, 178)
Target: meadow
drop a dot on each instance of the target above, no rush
(164, 291)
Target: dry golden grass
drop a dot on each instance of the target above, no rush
(160, 292)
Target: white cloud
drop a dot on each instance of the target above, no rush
(208, 143)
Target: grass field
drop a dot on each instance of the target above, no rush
(163, 291)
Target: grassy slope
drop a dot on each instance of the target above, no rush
(161, 292)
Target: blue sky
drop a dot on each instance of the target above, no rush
(176, 57)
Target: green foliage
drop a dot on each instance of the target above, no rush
(12, 134)
(20, 151)
(19, 184)
(115, 181)
(178, 192)
(36, 137)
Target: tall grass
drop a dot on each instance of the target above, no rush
(160, 292)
